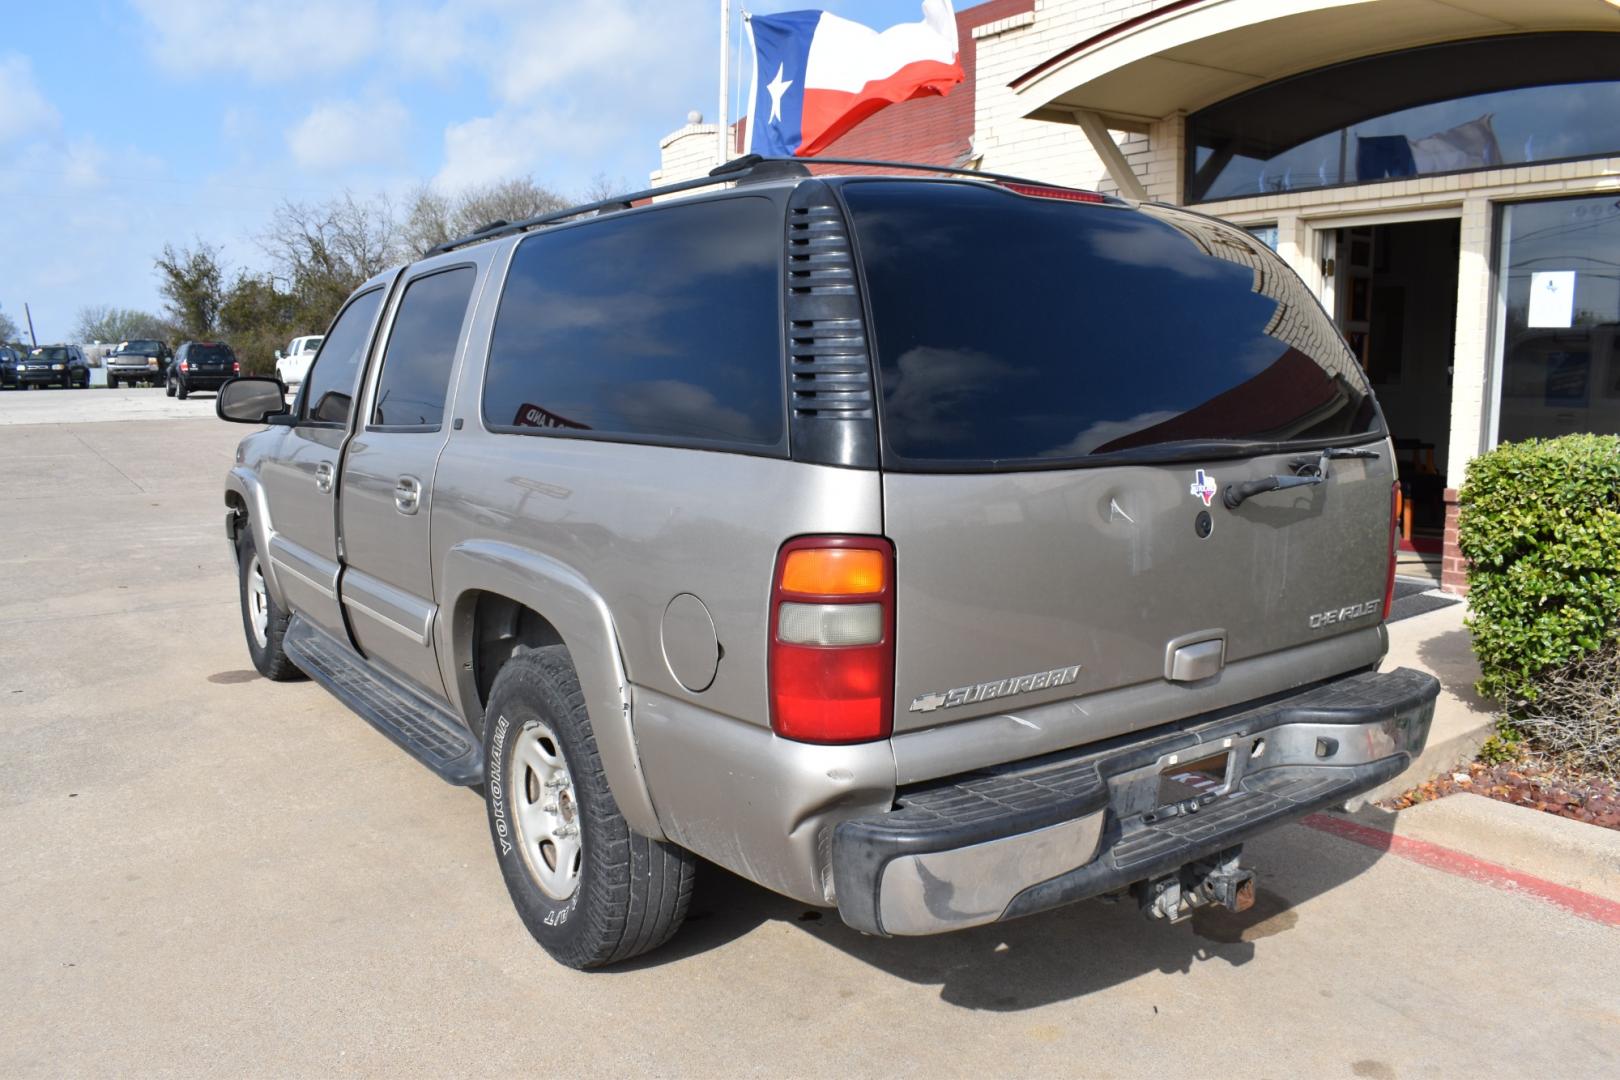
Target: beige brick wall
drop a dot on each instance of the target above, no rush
(686, 154)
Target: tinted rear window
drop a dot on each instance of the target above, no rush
(661, 326)
(1012, 329)
(210, 353)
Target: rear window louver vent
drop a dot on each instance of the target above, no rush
(830, 392)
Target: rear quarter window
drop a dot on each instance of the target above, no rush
(660, 326)
(1015, 331)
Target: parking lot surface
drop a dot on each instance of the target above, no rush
(202, 872)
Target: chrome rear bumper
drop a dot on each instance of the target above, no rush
(1033, 835)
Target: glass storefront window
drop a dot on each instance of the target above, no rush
(1440, 109)
(1559, 318)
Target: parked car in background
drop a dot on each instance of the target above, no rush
(9, 359)
(201, 365)
(139, 361)
(54, 365)
(292, 364)
(596, 512)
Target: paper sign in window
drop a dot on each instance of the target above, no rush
(1552, 298)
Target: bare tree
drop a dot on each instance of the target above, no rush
(435, 217)
(101, 322)
(325, 250)
(8, 328)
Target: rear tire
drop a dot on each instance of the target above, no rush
(597, 895)
(112, 383)
(264, 622)
(181, 392)
(169, 388)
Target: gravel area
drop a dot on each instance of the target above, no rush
(1531, 781)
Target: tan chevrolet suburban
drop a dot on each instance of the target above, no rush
(935, 546)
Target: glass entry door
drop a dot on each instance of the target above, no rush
(1558, 318)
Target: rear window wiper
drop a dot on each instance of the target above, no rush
(1307, 471)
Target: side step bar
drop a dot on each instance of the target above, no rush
(427, 731)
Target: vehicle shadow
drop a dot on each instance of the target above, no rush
(1052, 957)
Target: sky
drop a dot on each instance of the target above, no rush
(128, 124)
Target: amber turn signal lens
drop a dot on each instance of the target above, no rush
(833, 572)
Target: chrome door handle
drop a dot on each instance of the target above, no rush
(323, 477)
(407, 494)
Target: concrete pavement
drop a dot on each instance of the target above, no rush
(202, 872)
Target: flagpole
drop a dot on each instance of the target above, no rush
(722, 139)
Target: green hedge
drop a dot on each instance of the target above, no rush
(1540, 523)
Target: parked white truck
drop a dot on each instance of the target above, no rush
(293, 362)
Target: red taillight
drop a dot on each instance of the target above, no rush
(832, 650)
(236, 367)
(183, 366)
(1041, 191)
(1394, 545)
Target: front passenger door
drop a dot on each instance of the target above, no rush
(301, 480)
(387, 585)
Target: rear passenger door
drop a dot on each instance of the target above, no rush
(387, 587)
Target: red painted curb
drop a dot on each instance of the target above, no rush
(1576, 902)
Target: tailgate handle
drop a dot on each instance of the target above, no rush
(1195, 656)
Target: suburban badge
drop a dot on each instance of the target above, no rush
(1018, 684)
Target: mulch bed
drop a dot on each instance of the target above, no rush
(1533, 782)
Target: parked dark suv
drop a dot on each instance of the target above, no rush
(201, 365)
(9, 359)
(54, 365)
(940, 550)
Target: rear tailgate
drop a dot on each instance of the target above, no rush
(1067, 392)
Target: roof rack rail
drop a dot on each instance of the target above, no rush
(748, 167)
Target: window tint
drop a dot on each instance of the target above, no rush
(331, 380)
(1013, 329)
(661, 325)
(421, 346)
(210, 352)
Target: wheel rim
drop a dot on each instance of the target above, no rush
(546, 811)
(258, 604)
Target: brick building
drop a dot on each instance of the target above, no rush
(1444, 175)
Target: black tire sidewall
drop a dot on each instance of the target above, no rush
(551, 921)
(268, 659)
(535, 687)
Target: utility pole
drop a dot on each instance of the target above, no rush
(29, 315)
(723, 135)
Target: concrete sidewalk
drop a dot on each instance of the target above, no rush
(1437, 642)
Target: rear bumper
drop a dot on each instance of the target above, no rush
(204, 381)
(1037, 834)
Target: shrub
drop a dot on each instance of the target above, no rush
(1576, 714)
(1540, 522)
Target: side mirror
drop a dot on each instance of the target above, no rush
(250, 400)
(278, 354)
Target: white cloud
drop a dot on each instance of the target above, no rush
(269, 40)
(23, 109)
(341, 134)
(572, 83)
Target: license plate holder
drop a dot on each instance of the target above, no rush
(1202, 779)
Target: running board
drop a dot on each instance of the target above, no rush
(427, 731)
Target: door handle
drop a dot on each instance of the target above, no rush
(323, 477)
(407, 494)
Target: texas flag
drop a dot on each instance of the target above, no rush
(817, 75)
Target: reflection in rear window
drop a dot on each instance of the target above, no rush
(210, 352)
(1012, 329)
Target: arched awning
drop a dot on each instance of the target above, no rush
(1191, 53)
